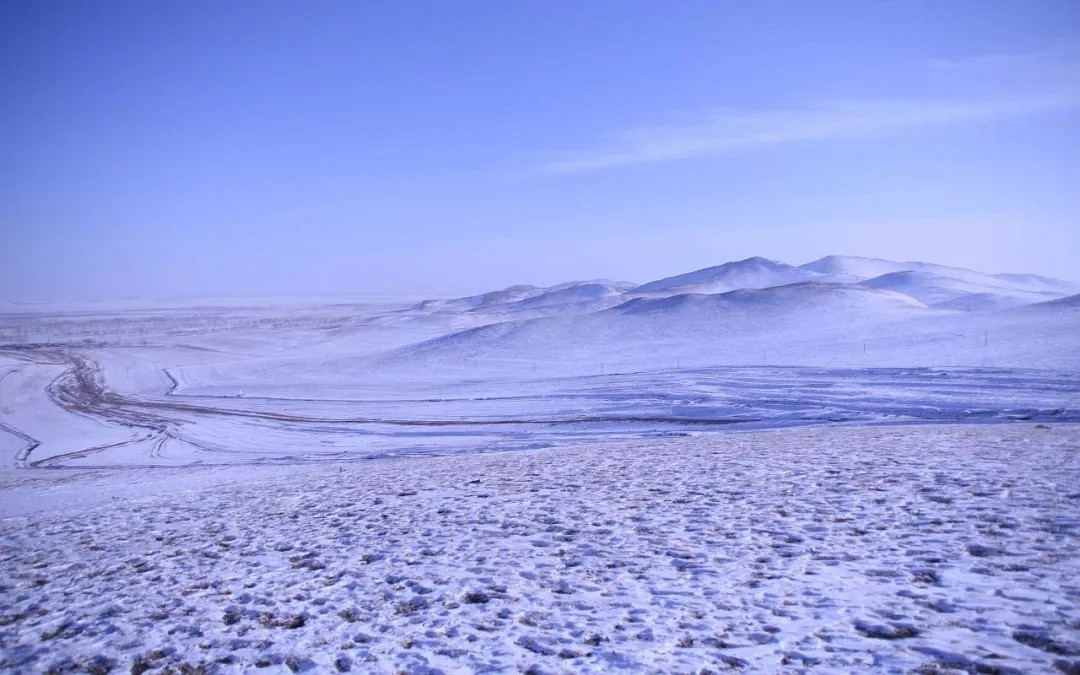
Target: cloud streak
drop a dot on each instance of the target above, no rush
(1064, 55)
(719, 131)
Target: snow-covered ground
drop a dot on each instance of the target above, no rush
(563, 479)
(838, 550)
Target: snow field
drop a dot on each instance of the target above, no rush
(807, 550)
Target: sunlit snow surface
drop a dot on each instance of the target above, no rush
(829, 550)
(386, 486)
(227, 384)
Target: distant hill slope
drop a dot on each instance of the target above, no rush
(935, 285)
(525, 297)
(750, 296)
(862, 269)
(563, 295)
(1037, 282)
(786, 299)
(1069, 302)
(867, 268)
(511, 294)
(693, 322)
(981, 302)
(856, 267)
(948, 292)
(750, 273)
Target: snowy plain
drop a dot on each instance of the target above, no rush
(854, 465)
(838, 550)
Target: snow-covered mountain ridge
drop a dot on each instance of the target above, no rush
(832, 311)
(934, 285)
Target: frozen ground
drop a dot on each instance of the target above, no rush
(928, 549)
(120, 407)
(564, 479)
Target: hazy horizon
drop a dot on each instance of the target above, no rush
(202, 149)
(391, 294)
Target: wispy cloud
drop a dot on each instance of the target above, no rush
(722, 130)
(1063, 54)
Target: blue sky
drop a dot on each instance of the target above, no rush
(191, 148)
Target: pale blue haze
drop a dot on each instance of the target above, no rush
(194, 148)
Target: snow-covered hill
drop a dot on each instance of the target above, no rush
(524, 297)
(938, 286)
(980, 302)
(942, 291)
(723, 326)
(750, 273)
(1071, 302)
(511, 294)
(901, 318)
(614, 285)
(585, 292)
(854, 268)
(809, 323)
(789, 300)
(1036, 282)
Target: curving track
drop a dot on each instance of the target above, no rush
(174, 428)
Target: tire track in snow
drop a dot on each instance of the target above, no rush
(81, 389)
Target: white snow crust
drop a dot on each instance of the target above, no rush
(836, 550)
